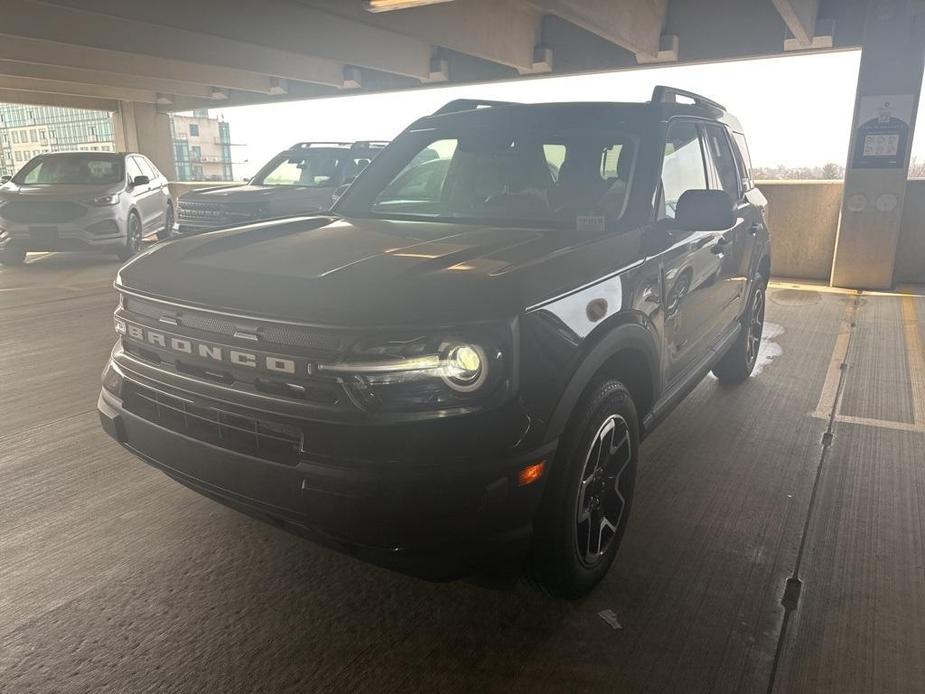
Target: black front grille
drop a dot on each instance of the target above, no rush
(218, 213)
(276, 441)
(325, 342)
(42, 212)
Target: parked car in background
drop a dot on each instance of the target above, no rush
(77, 201)
(302, 179)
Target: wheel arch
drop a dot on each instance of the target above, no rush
(628, 352)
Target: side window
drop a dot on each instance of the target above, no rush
(720, 157)
(132, 168)
(147, 168)
(555, 156)
(683, 166)
(744, 158)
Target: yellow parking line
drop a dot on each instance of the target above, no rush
(915, 358)
(829, 395)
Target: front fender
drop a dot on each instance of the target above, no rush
(629, 335)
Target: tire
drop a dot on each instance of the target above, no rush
(588, 497)
(739, 362)
(133, 237)
(12, 256)
(164, 233)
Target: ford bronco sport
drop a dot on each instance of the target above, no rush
(304, 178)
(455, 367)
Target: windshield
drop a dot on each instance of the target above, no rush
(76, 169)
(316, 168)
(508, 175)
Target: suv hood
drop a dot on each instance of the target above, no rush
(79, 193)
(249, 193)
(370, 272)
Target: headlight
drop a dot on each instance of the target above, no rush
(105, 200)
(425, 372)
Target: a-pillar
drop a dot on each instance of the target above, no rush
(889, 86)
(142, 128)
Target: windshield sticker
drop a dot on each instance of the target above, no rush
(591, 223)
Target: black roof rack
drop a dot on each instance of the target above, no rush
(306, 145)
(470, 105)
(351, 145)
(369, 144)
(669, 95)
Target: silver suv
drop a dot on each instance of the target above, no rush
(77, 201)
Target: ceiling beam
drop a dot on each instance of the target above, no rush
(499, 31)
(635, 25)
(274, 37)
(60, 24)
(800, 18)
(130, 65)
(28, 84)
(13, 96)
(10, 68)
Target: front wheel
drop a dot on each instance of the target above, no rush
(739, 362)
(587, 503)
(132, 238)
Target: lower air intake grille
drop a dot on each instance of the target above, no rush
(274, 441)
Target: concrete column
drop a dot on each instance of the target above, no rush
(142, 128)
(889, 86)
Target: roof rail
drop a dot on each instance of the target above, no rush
(470, 105)
(369, 144)
(669, 95)
(306, 145)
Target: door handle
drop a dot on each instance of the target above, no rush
(720, 246)
(754, 228)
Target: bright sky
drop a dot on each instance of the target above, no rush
(796, 110)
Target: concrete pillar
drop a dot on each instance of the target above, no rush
(889, 86)
(142, 128)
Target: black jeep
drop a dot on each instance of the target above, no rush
(306, 178)
(456, 366)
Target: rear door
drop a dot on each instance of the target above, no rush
(690, 264)
(159, 192)
(733, 245)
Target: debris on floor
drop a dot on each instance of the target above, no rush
(610, 617)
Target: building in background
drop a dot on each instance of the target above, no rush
(26, 131)
(202, 147)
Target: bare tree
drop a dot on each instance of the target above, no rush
(917, 168)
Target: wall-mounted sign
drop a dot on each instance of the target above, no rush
(882, 137)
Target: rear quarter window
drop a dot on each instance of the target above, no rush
(745, 160)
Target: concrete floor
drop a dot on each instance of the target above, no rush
(113, 578)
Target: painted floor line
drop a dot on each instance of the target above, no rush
(915, 358)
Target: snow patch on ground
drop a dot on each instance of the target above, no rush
(769, 349)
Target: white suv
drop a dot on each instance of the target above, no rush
(74, 201)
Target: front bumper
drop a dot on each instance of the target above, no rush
(438, 520)
(188, 229)
(98, 229)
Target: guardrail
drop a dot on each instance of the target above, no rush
(803, 216)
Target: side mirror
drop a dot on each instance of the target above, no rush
(140, 181)
(5, 179)
(705, 210)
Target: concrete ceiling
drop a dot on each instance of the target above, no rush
(183, 55)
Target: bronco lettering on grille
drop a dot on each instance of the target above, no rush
(212, 352)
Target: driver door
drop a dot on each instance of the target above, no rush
(691, 262)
